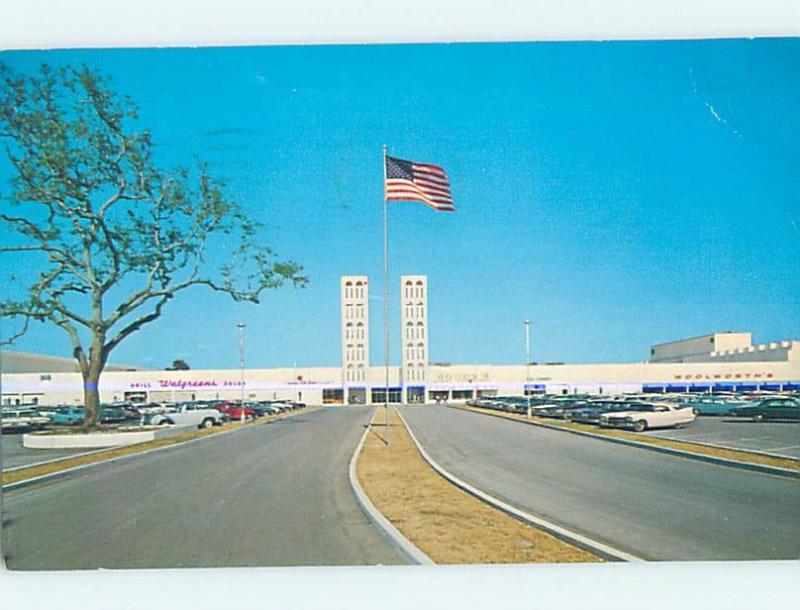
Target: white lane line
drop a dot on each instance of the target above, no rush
(561, 532)
(747, 440)
(784, 448)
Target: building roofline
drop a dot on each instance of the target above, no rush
(714, 334)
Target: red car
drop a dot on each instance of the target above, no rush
(234, 411)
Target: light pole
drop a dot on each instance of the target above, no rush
(240, 326)
(528, 363)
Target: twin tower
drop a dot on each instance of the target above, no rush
(355, 327)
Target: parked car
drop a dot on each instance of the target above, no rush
(24, 418)
(109, 415)
(13, 423)
(590, 414)
(75, 415)
(68, 416)
(237, 412)
(776, 408)
(187, 414)
(714, 405)
(644, 416)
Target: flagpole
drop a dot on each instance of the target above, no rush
(385, 303)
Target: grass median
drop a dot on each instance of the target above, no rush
(446, 523)
(728, 454)
(24, 474)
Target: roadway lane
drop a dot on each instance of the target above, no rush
(652, 505)
(275, 494)
(14, 455)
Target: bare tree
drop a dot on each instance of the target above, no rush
(110, 237)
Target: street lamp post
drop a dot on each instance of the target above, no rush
(240, 326)
(528, 363)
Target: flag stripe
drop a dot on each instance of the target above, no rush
(435, 206)
(435, 192)
(423, 182)
(408, 187)
(413, 194)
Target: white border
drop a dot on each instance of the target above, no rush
(87, 23)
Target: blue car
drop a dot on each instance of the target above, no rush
(68, 416)
(714, 405)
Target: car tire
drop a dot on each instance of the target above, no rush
(640, 426)
(207, 423)
(758, 418)
(165, 422)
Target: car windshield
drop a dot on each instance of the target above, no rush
(636, 406)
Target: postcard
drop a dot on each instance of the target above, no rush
(474, 303)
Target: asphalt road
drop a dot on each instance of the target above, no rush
(652, 505)
(270, 495)
(14, 454)
(778, 438)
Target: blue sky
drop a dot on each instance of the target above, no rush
(616, 194)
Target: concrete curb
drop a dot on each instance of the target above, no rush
(762, 468)
(562, 533)
(398, 540)
(60, 474)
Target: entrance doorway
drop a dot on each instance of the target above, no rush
(357, 396)
(439, 395)
(415, 395)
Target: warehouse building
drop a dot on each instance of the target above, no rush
(716, 362)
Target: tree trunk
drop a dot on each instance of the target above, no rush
(91, 398)
(91, 381)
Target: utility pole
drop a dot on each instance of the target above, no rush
(528, 363)
(240, 326)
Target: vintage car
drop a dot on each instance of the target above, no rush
(188, 414)
(236, 412)
(591, 413)
(24, 419)
(75, 415)
(644, 416)
(714, 405)
(778, 408)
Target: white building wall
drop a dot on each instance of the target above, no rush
(414, 328)
(308, 384)
(355, 328)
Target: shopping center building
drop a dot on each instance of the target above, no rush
(721, 361)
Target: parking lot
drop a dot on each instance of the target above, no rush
(775, 438)
(15, 455)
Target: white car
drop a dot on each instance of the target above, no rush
(24, 418)
(188, 415)
(647, 415)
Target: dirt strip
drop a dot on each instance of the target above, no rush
(728, 454)
(446, 523)
(36, 471)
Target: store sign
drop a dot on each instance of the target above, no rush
(725, 376)
(182, 384)
(468, 377)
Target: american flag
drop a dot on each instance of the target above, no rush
(412, 181)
